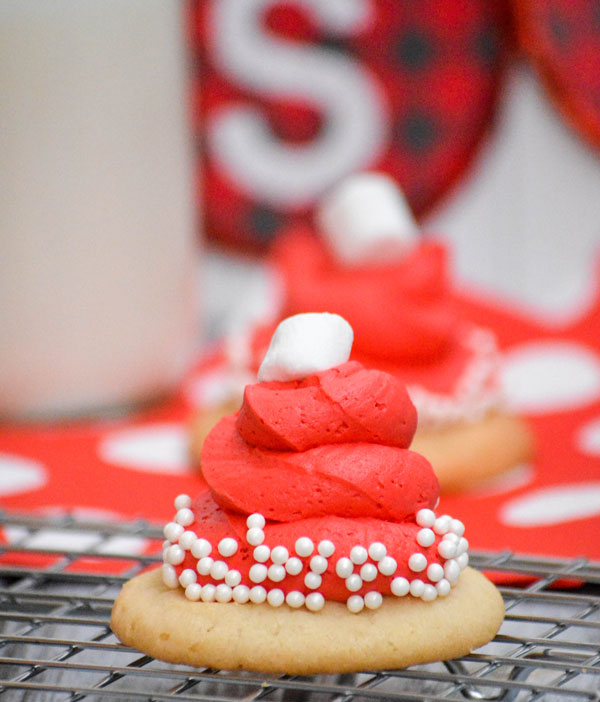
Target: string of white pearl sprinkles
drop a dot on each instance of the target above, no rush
(362, 564)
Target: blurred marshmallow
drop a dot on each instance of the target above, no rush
(305, 344)
(366, 219)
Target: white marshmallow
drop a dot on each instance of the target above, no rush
(306, 344)
(366, 219)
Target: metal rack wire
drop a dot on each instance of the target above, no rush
(59, 577)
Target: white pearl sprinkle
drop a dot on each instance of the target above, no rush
(344, 567)
(174, 554)
(400, 587)
(358, 555)
(294, 599)
(377, 551)
(294, 566)
(318, 564)
(457, 527)
(182, 501)
(218, 570)
(223, 593)
(193, 592)
(451, 571)
(165, 545)
(185, 517)
(227, 547)
(315, 601)
(462, 546)
(241, 594)
(255, 521)
(452, 538)
(425, 517)
(387, 566)
(429, 593)
(187, 577)
(417, 562)
(275, 597)
(169, 576)
(255, 536)
(304, 546)
(368, 572)
(355, 604)
(207, 594)
(312, 580)
(257, 573)
(276, 573)
(442, 524)
(262, 553)
(353, 582)
(201, 548)
(435, 572)
(425, 537)
(326, 548)
(446, 549)
(280, 555)
(233, 577)
(443, 587)
(258, 594)
(463, 560)
(187, 539)
(373, 600)
(172, 531)
(417, 587)
(204, 564)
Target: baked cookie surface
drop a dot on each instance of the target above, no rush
(464, 454)
(161, 622)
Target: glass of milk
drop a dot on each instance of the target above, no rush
(97, 227)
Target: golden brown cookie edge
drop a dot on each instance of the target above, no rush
(403, 631)
(468, 453)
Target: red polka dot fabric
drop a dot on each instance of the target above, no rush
(562, 37)
(293, 96)
(135, 467)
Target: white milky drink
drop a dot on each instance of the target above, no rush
(96, 220)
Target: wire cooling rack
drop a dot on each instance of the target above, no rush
(59, 577)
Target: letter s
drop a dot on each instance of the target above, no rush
(352, 102)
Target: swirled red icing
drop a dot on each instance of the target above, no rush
(325, 458)
(400, 311)
(347, 404)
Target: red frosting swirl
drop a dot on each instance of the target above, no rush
(343, 405)
(400, 311)
(325, 458)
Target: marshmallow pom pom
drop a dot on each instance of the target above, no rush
(366, 219)
(305, 344)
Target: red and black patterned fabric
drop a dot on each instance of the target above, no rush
(563, 39)
(294, 95)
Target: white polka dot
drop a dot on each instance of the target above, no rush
(588, 438)
(554, 505)
(549, 376)
(20, 475)
(159, 448)
(516, 477)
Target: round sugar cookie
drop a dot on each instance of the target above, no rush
(464, 454)
(404, 631)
